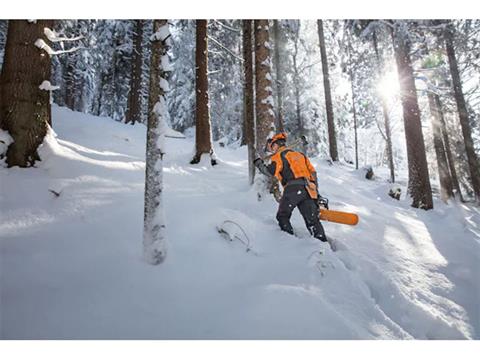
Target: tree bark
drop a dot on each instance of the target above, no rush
(134, 97)
(418, 177)
(24, 108)
(280, 82)
(328, 95)
(154, 224)
(203, 134)
(69, 80)
(386, 117)
(249, 109)
(296, 83)
(446, 141)
(472, 158)
(265, 116)
(446, 189)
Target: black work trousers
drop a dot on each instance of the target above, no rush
(297, 196)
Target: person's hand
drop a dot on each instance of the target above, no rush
(322, 202)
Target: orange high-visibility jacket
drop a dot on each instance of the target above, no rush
(287, 165)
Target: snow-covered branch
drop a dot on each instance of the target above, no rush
(42, 45)
(53, 36)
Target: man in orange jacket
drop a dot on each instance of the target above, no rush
(299, 180)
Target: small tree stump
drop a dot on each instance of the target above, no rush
(395, 193)
(369, 174)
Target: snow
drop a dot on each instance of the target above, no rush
(5, 141)
(71, 265)
(162, 33)
(53, 36)
(46, 85)
(42, 45)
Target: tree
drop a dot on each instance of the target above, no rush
(265, 116)
(472, 158)
(296, 83)
(154, 224)
(279, 52)
(418, 177)
(386, 117)
(249, 108)
(443, 170)
(352, 85)
(328, 95)
(24, 106)
(203, 134)
(448, 151)
(134, 97)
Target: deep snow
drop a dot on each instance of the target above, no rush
(71, 265)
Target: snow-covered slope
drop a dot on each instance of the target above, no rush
(71, 265)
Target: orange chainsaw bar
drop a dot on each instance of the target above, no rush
(339, 217)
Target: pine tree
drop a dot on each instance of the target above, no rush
(443, 170)
(132, 114)
(296, 83)
(473, 163)
(418, 177)
(154, 223)
(265, 116)
(386, 117)
(448, 151)
(328, 96)
(203, 134)
(24, 107)
(249, 111)
(279, 51)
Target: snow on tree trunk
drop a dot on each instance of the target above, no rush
(265, 116)
(332, 139)
(249, 111)
(134, 97)
(154, 241)
(418, 177)
(443, 171)
(203, 133)
(25, 108)
(473, 163)
(279, 72)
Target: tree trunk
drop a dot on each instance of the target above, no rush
(446, 189)
(328, 96)
(386, 117)
(280, 82)
(154, 224)
(472, 158)
(265, 116)
(418, 177)
(296, 83)
(446, 141)
(69, 80)
(354, 109)
(25, 109)
(249, 109)
(355, 125)
(203, 134)
(134, 97)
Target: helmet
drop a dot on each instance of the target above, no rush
(279, 136)
(282, 137)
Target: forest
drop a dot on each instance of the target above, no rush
(190, 104)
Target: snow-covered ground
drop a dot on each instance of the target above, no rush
(71, 265)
